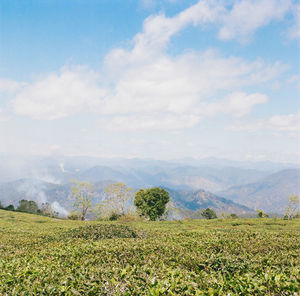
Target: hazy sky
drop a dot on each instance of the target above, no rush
(161, 79)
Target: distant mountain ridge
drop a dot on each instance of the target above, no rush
(200, 199)
(246, 185)
(269, 194)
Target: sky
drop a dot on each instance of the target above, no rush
(151, 79)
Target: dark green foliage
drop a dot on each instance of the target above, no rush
(28, 206)
(261, 214)
(209, 214)
(10, 208)
(1, 206)
(74, 216)
(114, 216)
(151, 203)
(101, 231)
(233, 216)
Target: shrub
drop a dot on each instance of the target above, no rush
(74, 216)
(114, 217)
(233, 216)
(10, 208)
(101, 231)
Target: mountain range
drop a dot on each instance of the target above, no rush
(269, 194)
(225, 186)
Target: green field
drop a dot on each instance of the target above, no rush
(44, 256)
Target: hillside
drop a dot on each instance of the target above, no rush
(270, 194)
(46, 256)
(58, 194)
(200, 199)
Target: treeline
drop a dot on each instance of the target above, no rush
(118, 200)
(121, 202)
(30, 206)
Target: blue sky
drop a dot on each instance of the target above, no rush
(160, 79)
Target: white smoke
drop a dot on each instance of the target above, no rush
(58, 208)
(48, 179)
(61, 165)
(35, 190)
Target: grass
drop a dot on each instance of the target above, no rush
(46, 256)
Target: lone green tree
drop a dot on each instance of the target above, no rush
(292, 209)
(209, 214)
(151, 203)
(81, 194)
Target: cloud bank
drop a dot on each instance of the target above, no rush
(146, 88)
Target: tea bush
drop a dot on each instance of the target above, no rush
(100, 231)
(194, 257)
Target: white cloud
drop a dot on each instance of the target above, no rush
(58, 94)
(159, 121)
(179, 84)
(158, 29)
(289, 124)
(247, 126)
(246, 16)
(295, 79)
(237, 104)
(145, 88)
(10, 86)
(2, 116)
(294, 31)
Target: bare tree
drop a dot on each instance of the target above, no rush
(118, 198)
(82, 193)
(293, 207)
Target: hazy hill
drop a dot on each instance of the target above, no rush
(178, 177)
(207, 178)
(210, 174)
(200, 199)
(269, 194)
(58, 195)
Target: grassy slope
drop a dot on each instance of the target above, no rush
(240, 257)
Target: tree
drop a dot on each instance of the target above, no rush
(82, 193)
(233, 216)
(151, 203)
(118, 199)
(28, 206)
(293, 207)
(47, 210)
(261, 214)
(10, 208)
(1, 206)
(209, 214)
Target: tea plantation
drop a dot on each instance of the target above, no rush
(45, 256)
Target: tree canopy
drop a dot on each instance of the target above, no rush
(118, 198)
(209, 214)
(82, 193)
(28, 206)
(151, 203)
